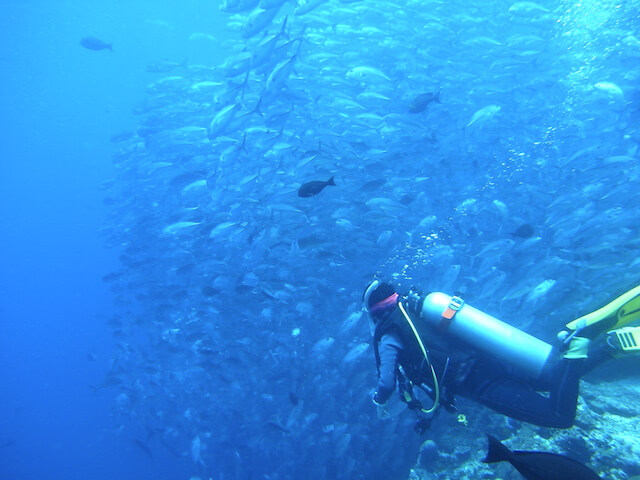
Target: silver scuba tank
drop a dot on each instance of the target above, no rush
(450, 315)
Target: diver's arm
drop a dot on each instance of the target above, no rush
(389, 347)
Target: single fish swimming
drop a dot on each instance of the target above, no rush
(610, 88)
(93, 43)
(422, 101)
(310, 189)
(538, 465)
(523, 231)
(483, 114)
(364, 73)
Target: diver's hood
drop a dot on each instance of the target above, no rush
(367, 293)
(365, 303)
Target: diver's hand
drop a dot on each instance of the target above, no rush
(380, 407)
(383, 414)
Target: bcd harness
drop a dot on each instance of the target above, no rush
(405, 384)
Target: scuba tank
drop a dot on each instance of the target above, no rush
(451, 316)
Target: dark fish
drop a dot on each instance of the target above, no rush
(210, 291)
(422, 101)
(523, 231)
(93, 43)
(406, 199)
(310, 189)
(538, 465)
(119, 334)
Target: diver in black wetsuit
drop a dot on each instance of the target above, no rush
(445, 347)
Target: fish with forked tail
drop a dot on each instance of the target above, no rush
(310, 189)
(538, 465)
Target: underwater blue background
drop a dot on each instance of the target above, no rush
(60, 105)
(305, 400)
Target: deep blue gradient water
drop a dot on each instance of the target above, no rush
(170, 306)
(60, 104)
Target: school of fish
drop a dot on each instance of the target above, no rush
(482, 147)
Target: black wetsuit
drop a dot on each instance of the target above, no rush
(481, 378)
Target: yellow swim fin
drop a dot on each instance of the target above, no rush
(620, 312)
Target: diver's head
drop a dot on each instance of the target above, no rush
(378, 298)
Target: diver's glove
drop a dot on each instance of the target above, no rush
(578, 348)
(380, 407)
(575, 345)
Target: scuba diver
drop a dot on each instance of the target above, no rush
(445, 347)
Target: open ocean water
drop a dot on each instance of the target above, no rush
(194, 195)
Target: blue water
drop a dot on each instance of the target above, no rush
(104, 380)
(60, 104)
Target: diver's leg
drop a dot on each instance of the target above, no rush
(617, 343)
(599, 352)
(515, 398)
